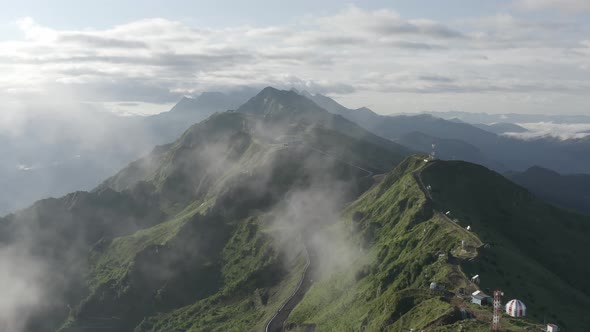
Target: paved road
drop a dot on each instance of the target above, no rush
(276, 323)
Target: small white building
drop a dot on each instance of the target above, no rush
(475, 279)
(552, 328)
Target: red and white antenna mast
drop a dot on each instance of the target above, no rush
(497, 310)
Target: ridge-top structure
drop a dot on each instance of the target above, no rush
(432, 155)
(497, 310)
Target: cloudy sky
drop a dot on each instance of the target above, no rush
(521, 56)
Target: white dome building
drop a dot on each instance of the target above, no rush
(516, 308)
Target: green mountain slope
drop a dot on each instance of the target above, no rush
(56, 234)
(409, 243)
(247, 176)
(240, 165)
(191, 229)
(536, 251)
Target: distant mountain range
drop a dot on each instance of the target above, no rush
(485, 146)
(502, 128)
(486, 118)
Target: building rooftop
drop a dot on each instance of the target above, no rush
(480, 296)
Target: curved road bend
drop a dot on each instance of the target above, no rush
(275, 324)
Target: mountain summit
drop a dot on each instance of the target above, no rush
(272, 103)
(288, 107)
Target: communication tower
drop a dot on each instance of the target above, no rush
(433, 153)
(497, 310)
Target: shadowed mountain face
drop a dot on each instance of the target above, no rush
(567, 191)
(278, 107)
(499, 152)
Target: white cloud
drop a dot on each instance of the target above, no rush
(559, 130)
(573, 6)
(35, 32)
(352, 52)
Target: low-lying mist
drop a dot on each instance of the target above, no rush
(22, 286)
(313, 214)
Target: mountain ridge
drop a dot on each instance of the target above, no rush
(408, 255)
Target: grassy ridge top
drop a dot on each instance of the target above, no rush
(409, 243)
(388, 288)
(538, 252)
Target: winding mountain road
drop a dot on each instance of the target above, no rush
(276, 323)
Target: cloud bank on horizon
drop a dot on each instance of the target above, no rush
(559, 130)
(504, 62)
